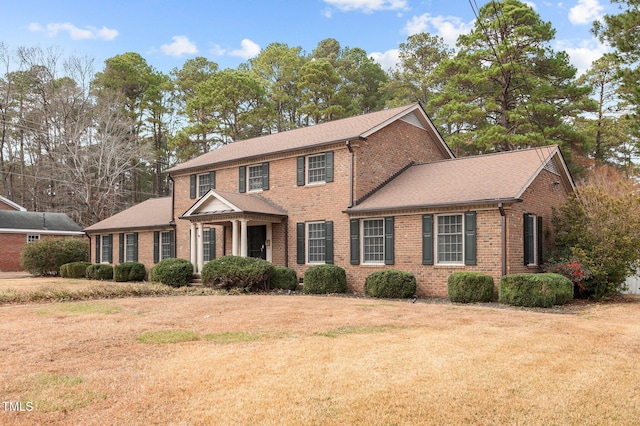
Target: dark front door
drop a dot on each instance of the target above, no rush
(257, 240)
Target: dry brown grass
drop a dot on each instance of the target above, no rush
(308, 360)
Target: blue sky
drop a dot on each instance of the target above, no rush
(167, 33)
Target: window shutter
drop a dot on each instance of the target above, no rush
(98, 260)
(328, 161)
(470, 252)
(212, 180)
(156, 246)
(135, 246)
(212, 243)
(172, 244)
(328, 242)
(120, 248)
(354, 233)
(110, 248)
(265, 176)
(539, 240)
(192, 186)
(242, 181)
(427, 239)
(388, 240)
(300, 171)
(527, 225)
(300, 258)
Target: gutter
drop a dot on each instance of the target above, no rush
(432, 206)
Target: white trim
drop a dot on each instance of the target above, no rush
(307, 169)
(12, 204)
(206, 197)
(248, 178)
(362, 261)
(435, 241)
(39, 231)
(306, 243)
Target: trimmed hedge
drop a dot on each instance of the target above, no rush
(390, 283)
(100, 272)
(535, 290)
(229, 272)
(74, 270)
(46, 256)
(470, 287)
(324, 279)
(285, 278)
(174, 272)
(129, 271)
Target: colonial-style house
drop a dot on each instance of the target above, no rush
(19, 227)
(380, 190)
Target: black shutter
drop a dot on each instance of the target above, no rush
(110, 248)
(388, 240)
(172, 244)
(212, 243)
(539, 240)
(98, 240)
(427, 239)
(300, 258)
(156, 247)
(328, 163)
(265, 176)
(212, 180)
(527, 225)
(120, 248)
(328, 242)
(192, 186)
(135, 246)
(470, 250)
(242, 179)
(354, 233)
(300, 171)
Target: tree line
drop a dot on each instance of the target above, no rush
(91, 143)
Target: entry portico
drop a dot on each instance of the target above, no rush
(248, 218)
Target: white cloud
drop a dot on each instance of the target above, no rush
(248, 49)
(585, 12)
(387, 60)
(88, 33)
(583, 55)
(181, 46)
(368, 6)
(447, 27)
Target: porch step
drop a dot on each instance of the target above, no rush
(196, 280)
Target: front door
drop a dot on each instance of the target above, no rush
(257, 240)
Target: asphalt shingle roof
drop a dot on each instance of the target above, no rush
(37, 221)
(153, 213)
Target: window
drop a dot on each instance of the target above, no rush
(315, 242)
(33, 237)
(165, 245)
(204, 184)
(201, 184)
(314, 169)
(255, 178)
(450, 239)
(130, 248)
(209, 240)
(532, 239)
(105, 249)
(373, 241)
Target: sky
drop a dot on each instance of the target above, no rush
(167, 32)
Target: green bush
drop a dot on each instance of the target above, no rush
(74, 270)
(470, 287)
(172, 271)
(324, 279)
(536, 290)
(390, 283)
(46, 256)
(100, 272)
(285, 278)
(229, 272)
(129, 271)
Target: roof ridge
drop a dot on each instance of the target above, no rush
(384, 182)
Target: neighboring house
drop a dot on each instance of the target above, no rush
(380, 190)
(19, 227)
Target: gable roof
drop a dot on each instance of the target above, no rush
(331, 132)
(11, 204)
(153, 213)
(480, 179)
(219, 202)
(14, 221)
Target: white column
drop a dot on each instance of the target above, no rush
(243, 237)
(234, 237)
(200, 249)
(194, 241)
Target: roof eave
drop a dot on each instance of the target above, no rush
(431, 206)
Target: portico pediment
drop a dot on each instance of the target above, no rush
(218, 203)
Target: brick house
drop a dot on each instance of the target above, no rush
(380, 190)
(18, 227)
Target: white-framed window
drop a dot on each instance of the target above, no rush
(254, 178)
(450, 239)
(204, 184)
(105, 248)
(316, 168)
(373, 241)
(33, 237)
(165, 245)
(206, 240)
(129, 247)
(316, 244)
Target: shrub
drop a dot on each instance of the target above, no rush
(129, 271)
(541, 290)
(390, 283)
(74, 269)
(46, 256)
(323, 279)
(100, 272)
(285, 278)
(470, 287)
(172, 271)
(229, 272)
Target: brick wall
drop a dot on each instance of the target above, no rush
(11, 246)
(145, 247)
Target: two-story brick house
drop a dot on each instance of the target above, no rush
(380, 190)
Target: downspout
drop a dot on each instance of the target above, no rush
(503, 237)
(351, 167)
(173, 219)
